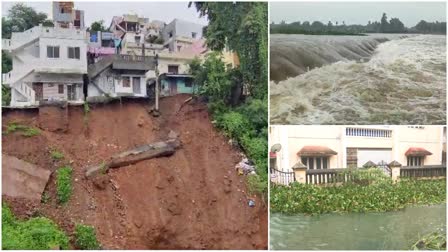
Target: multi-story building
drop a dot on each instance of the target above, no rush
(101, 44)
(120, 75)
(180, 34)
(136, 32)
(65, 15)
(48, 64)
(327, 147)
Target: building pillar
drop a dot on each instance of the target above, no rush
(343, 147)
(395, 168)
(395, 143)
(300, 172)
(284, 153)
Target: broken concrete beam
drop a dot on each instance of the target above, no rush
(96, 170)
(147, 151)
(174, 143)
(132, 159)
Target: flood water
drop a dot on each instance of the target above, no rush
(354, 231)
(375, 79)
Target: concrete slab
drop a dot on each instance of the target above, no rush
(23, 179)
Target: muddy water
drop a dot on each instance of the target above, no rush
(355, 231)
(378, 79)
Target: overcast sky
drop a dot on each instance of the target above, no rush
(410, 13)
(93, 11)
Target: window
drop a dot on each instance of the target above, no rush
(73, 53)
(137, 39)
(52, 51)
(193, 34)
(173, 69)
(60, 89)
(126, 82)
(415, 160)
(188, 83)
(315, 162)
(170, 34)
(178, 48)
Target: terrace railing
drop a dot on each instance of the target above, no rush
(429, 171)
(326, 176)
(281, 177)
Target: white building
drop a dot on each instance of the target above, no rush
(48, 64)
(65, 14)
(119, 76)
(328, 147)
(180, 34)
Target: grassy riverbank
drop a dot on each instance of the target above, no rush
(380, 196)
(433, 241)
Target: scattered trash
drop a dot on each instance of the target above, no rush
(251, 203)
(245, 167)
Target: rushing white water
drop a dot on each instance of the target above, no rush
(359, 80)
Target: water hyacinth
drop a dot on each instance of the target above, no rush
(378, 196)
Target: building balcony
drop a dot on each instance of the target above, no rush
(132, 62)
(368, 132)
(6, 44)
(6, 78)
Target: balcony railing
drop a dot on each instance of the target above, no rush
(383, 133)
(6, 78)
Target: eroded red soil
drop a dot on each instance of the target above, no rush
(191, 200)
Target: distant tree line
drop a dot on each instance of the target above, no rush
(394, 25)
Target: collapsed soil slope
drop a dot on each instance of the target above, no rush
(191, 200)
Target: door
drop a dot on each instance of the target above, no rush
(136, 85)
(173, 86)
(71, 92)
(39, 91)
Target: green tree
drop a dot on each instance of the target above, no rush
(396, 25)
(20, 18)
(212, 78)
(384, 24)
(6, 67)
(98, 26)
(241, 27)
(330, 25)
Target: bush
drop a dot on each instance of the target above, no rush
(86, 237)
(6, 95)
(86, 108)
(234, 124)
(381, 196)
(34, 234)
(64, 184)
(246, 123)
(27, 131)
(56, 155)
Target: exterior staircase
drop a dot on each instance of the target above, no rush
(23, 89)
(27, 92)
(22, 39)
(95, 69)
